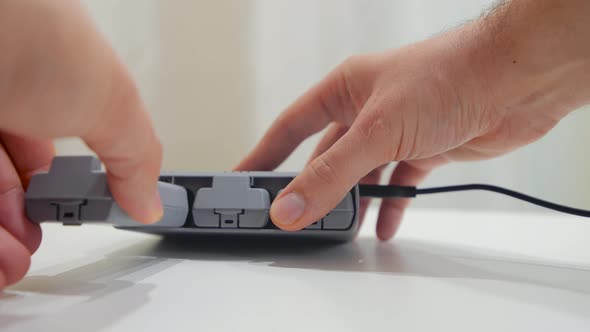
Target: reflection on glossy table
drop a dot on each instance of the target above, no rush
(446, 270)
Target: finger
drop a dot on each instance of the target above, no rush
(372, 178)
(29, 155)
(332, 100)
(124, 139)
(15, 259)
(326, 180)
(333, 134)
(12, 214)
(407, 173)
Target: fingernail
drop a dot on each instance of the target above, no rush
(288, 209)
(156, 211)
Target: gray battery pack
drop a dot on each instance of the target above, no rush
(75, 191)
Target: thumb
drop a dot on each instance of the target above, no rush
(326, 181)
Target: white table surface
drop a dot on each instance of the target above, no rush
(446, 270)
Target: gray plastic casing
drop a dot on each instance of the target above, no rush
(75, 191)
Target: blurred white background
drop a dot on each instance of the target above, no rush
(214, 75)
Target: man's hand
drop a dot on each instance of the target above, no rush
(477, 92)
(58, 77)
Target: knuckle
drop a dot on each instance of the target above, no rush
(339, 129)
(489, 119)
(144, 161)
(353, 70)
(323, 170)
(354, 62)
(376, 131)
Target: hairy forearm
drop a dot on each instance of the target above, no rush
(534, 53)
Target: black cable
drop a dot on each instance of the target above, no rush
(411, 192)
(370, 190)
